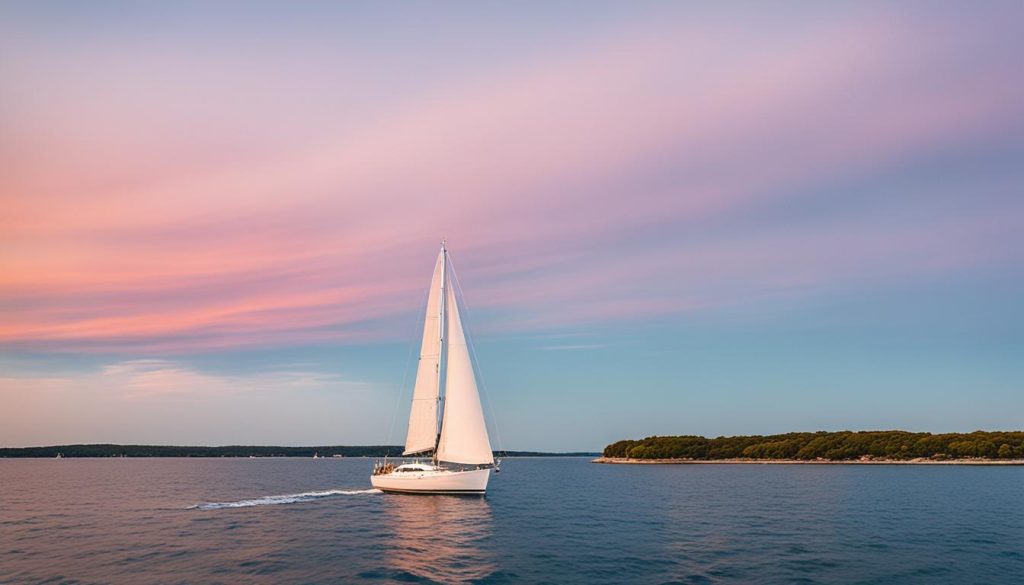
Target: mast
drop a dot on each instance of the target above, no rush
(443, 331)
(442, 324)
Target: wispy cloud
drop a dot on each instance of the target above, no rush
(620, 177)
(572, 346)
(159, 400)
(144, 379)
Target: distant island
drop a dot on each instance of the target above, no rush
(825, 447)
(106, 450)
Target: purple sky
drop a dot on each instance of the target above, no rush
(219, 220)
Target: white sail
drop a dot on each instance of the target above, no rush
(463, 437)
(463, 431)
(422, 433)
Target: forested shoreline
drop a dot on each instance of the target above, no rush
(106, 450)
(829, 446)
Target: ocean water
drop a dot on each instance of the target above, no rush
(543, 521)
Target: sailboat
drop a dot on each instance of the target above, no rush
(446, 421)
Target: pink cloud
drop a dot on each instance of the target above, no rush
(533, 172)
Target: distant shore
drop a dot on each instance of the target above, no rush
(823, 447)
(627, 461)
(240, 451)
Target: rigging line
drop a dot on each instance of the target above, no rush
(405, 376)
(472, 349)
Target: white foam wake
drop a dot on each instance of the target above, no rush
(283, 499)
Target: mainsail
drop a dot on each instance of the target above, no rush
(463, 432)
(422, 434)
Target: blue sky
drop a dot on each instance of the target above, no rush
(220, 221)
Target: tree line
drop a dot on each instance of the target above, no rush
(106, 450)
(838, 446)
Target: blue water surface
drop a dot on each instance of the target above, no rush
(543, 521)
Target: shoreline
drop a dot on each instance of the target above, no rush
(626, 461)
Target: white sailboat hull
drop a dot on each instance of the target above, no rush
(434, 481)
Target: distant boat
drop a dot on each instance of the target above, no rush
(446, 421)
(316, 455)
(59, 456)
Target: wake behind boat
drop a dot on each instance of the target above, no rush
(460, 452)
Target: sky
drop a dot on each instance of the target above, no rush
(218, 220)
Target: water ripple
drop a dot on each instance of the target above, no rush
(543, 521)
(282, 499)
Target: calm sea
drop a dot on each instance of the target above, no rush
(543, 521)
